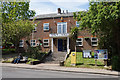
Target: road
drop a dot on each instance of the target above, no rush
(8, 72)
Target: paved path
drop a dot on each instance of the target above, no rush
(10, 72)
(56, 67)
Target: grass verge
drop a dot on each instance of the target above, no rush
(85, 62)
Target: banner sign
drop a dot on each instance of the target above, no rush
(101, 54)
(87, 54)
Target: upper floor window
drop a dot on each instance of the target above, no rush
(79, 42)
(35, 29)
(33, 43)
(45, 42)
(21, 44)
(94, 41)
(46, 26)
(61, 27)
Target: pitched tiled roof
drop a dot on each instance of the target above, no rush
(55, 15)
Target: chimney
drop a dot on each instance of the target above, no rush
(59, 11)
(63, 12)
(67, 11)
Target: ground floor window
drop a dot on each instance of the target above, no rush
(33, 43)
(94, 41)
(21, 44)
(79, 42)
(46, 42)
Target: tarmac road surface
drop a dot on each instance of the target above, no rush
(9, 72)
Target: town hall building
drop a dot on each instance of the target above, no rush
(53, 33)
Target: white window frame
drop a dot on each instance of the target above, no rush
(61, 23)
(94, 41)
(46, 26)
(79, 41)
(46, 42)
(21, 43)
(32, 43)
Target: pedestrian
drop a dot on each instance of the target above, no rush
(18, 58)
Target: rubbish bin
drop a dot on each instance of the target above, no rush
(61, 63)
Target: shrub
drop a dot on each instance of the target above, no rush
(116, 63)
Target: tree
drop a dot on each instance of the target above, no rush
(12, 11)
(74, 33)
(103, 19)
(15, 22)
(14, 31)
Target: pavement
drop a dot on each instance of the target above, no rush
(56, 67)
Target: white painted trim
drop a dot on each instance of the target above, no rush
(68, 44)
(52, 44)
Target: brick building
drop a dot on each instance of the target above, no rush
(53, 33)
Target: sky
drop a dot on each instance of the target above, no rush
(50, 6)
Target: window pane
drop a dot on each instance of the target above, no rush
(64, 28)
(45, 40)
(79, 39)
(94, 39)
(94, 43)
(45, 44)
(59, 29)
(46, 28)
(46, 24)
(33, 44)
(79, 43)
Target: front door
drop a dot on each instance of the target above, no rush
(60, 44)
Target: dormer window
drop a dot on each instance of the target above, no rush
(46, 26)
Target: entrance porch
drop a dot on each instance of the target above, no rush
(60, 44)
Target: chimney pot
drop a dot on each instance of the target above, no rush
(59, 10)
(67, 11)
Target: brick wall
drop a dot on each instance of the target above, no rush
(41, 34)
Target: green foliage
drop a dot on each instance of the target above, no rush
(103, 19)
(14, 31)
(12, 11)
(8, 60)
(15, 23)
(74, 32)
(7, 51)
(31, 60)
(85, 62)
(35, 53)
(116, 63)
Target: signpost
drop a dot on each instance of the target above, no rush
(87, 54)
(101, 54)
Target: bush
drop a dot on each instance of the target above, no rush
(8, 51)
(116, 63)
(35, 53)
